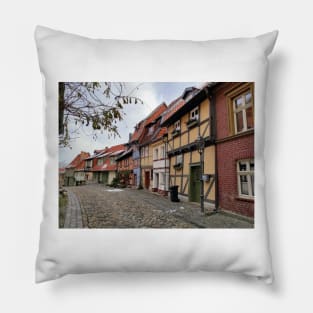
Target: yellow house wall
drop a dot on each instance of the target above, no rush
(182, 140)
(209, 168)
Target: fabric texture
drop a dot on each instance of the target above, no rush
(67, 57)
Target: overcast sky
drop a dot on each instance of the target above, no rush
(152, 95)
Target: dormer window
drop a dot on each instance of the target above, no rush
(194, 114)
(151, 129)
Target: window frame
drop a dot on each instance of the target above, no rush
(177, 125)
(179, 156)
(156, 154)
(162, 152)
(197, 115)
(126, 162)
(232, 96)
(248, 173)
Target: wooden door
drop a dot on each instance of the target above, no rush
(195, 184)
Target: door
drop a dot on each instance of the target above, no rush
(105, 177)
(147, 179)
(157, 180)
(195, 184)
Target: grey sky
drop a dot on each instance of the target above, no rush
(152, 95)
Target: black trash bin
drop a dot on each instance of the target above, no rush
(174, 193)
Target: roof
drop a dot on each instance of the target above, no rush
(178, 103)
(125, 154)
(153, 120)
(160, 133)
(79, 161)
(138, 131)
(140, 128)
(156, 113)
(108, 152)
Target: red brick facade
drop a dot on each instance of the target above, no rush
(230, 148)
(228, 153)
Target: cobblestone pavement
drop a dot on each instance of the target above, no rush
(104, 207)
(73, 216)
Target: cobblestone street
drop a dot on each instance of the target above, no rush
(103, 207)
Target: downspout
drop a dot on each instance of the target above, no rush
(212, 100)
(140, 180)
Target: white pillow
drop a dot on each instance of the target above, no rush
(65, 57)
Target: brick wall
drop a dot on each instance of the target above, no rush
(228, 153)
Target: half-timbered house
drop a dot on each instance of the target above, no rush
(74, 172)
(190, 146)
(125, 168)
(160, 162)
(151, 129)
(104, 165)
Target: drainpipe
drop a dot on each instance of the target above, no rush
(140, 179)
(212, 100)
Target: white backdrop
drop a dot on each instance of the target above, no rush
(288, 151)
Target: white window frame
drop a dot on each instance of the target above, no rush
(179, 159)
(177, 125)
(248, 173)
(193, 115)
(156, 154)
(242, 108)
(162, 152)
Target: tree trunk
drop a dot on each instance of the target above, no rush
(61, 107)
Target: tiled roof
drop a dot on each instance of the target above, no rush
(108, 152)
(140, 130)
(78, 160)
(178, 103)
(156, 113)
(161, 132)
(126, 153)
(153, 120)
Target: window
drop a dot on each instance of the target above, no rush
(100, 161)
(146, 151)
(126, 162)
(162, 152)
(245, 175)
(151, 129)
(243, 112)
(179, 159)
(177, 125)
(156, 154)
(162, 179)
(194, 114)
(112, 161)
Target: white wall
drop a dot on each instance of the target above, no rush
(289, 152)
